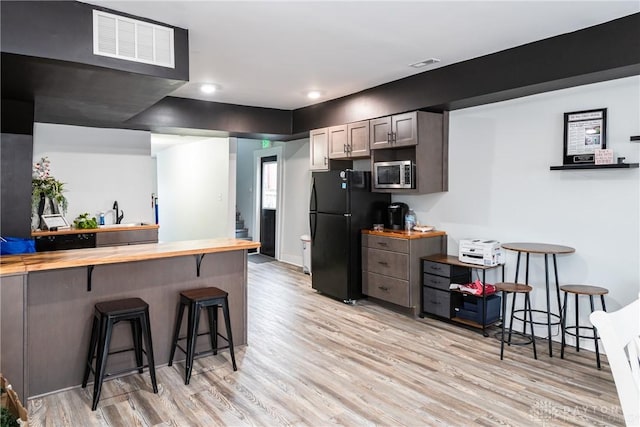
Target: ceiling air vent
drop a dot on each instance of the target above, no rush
(132, 40)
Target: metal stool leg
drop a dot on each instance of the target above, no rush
(212, 313)
(564, 325)
(546, 275)
(106, 328)
(137, 341)
(227, 321)
(92, 349)
(192, 337)
(146, 329)
(176, 331)
(595, 334)
(504, 310)
(577, 325)
(527, 303)
(513, 303)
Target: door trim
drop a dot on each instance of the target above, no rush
(257, 159)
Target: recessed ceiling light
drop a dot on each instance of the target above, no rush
(424, 63)
(208, 88)
(314, 94)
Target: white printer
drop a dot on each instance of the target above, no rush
(480, 252)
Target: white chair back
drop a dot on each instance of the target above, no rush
(620, 335)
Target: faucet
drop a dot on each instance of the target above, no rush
(118, 217)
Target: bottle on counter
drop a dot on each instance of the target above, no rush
(101, 219)
(409, 220)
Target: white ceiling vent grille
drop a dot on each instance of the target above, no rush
(132, 40)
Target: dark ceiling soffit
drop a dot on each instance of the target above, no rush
(224, 134)
(80, 94)
(63, 30)
(16, 117)
(594, 54)
(235, 120)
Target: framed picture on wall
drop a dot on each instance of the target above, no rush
(584, 133)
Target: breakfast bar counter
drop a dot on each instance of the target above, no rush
(48, 301)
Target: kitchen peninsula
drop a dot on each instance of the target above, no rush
(48, 300)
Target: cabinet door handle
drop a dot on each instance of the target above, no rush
(383, 288)
(383, 263)
(382, 244)
(325, 160)
(434, 282)
(436, 268)
(435, 302)
(344, 148)
(390, 137)
(394, 137)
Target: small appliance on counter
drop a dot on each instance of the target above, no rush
(395, 216)
(480, 252)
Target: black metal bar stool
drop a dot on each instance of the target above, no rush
(106, 315)
(515, 289)
(197, 299)
(578, 290)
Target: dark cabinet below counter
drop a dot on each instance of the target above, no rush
(65, 241)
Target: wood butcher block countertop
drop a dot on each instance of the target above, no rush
(41, 261)
(113, 227)
(12, 264)
(401, 234)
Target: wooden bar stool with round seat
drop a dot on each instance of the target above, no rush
(196, 299)
(515, 289)
(106, 315)
(577, 290)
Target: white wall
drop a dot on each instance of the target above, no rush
(500, 187)
(296, 191)
(194, 189)
(100, 166)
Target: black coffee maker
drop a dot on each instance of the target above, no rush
(395, 216)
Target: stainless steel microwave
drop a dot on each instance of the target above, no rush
(397, 174)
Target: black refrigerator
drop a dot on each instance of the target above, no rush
(342, 204)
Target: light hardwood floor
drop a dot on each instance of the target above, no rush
(313, 361)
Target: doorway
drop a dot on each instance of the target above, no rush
(268, 204)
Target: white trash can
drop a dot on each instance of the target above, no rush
(306, 253)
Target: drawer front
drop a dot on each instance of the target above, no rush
(444, 270)
(437, 282)
(129, 237)
(391, 264)
(436, 302)
(386, 288)
(386, 243)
